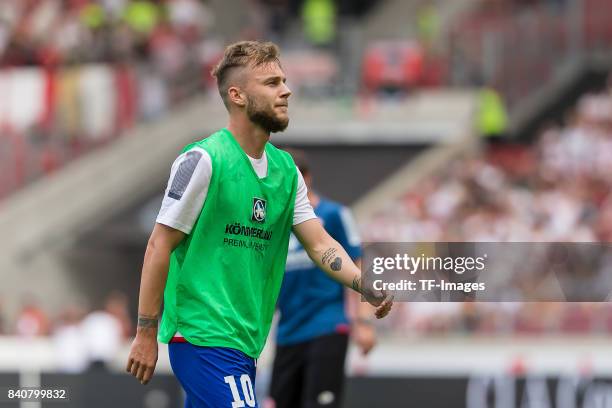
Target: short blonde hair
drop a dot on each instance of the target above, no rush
(243, 54)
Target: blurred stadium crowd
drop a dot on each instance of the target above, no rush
(63, 32)
(75, 74)
(556, 189)
(83, 338)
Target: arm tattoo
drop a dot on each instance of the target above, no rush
(147, 321)
(336, 265)
(356, 284)
(327, 255)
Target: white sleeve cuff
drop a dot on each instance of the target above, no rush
(174, 224)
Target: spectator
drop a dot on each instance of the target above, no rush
(319, 19)
(103, 333)
(68, 340)
(142, 16)
(32, 321)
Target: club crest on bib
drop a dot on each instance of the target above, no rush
(259, 209)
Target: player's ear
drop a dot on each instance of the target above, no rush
(236, 96)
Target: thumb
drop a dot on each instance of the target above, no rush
(365, 349)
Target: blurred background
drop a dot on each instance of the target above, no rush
(462, 120)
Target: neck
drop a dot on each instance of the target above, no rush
(251, 138)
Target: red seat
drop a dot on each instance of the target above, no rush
(392, 66)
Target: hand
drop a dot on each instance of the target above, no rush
(364, 335)
(143, 356)
(384, 307)
(378, 298)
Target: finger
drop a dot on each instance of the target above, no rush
(389, 299)
(388, 302)
(129, 365)
(389, 306)
(147, 375)
(141, 372)
(387, 310)
(135, 366)
(385, 307)
(383, 310)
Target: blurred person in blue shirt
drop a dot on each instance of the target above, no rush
(313, 330)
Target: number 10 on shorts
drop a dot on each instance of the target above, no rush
(247, 391)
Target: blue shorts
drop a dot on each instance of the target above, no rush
(214, 377)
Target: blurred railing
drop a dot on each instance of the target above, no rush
(518, 49)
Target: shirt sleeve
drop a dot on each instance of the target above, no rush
(303, 210)
(186, 191)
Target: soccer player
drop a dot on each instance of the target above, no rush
(313, 329)
(219, 246)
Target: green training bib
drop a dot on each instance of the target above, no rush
(225, 276)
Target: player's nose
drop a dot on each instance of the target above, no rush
(285, 91)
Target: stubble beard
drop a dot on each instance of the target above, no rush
(265, 118)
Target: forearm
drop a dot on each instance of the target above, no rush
(152, 284)
(333, 259)
(328, 255)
